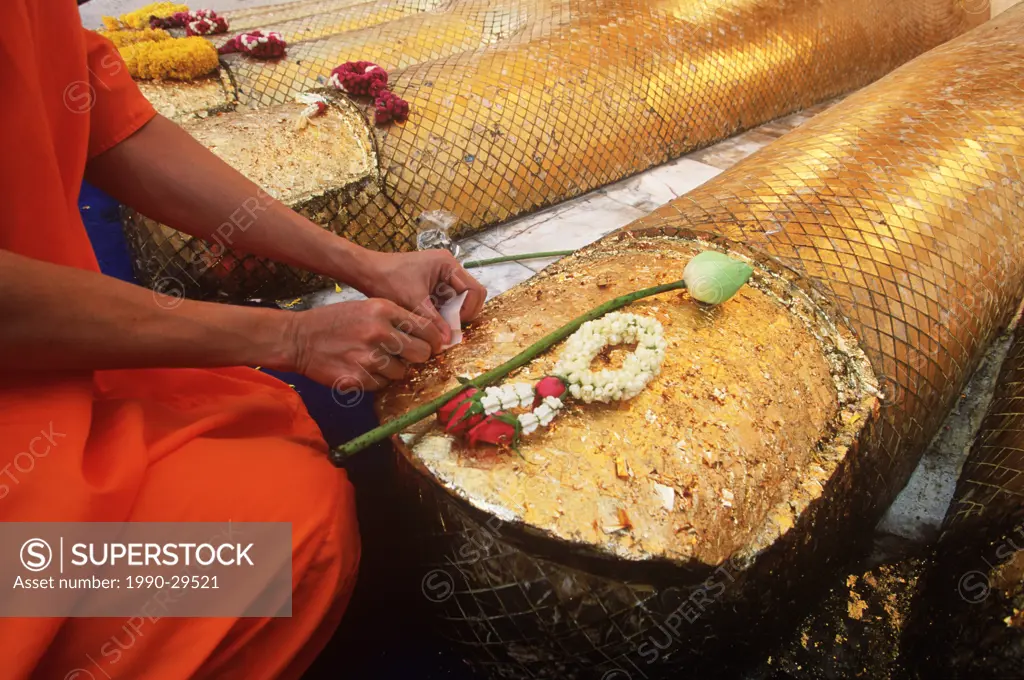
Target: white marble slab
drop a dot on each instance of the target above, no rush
(726, 154)
(581, 223)
(652, 189)
(502, 232)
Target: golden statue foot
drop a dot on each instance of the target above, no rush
(887, 258)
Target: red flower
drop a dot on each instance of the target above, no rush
(360, 78)
(549, 386)
(390, 107)
(206, 25)
(492, 430)
(453, 414)
(176, 20)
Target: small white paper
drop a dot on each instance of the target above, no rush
(451, 312)
(667, 496)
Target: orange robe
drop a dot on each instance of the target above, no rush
(143, 445)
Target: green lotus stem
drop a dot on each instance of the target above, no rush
(515, 258)
(470, 264)
(396, 425)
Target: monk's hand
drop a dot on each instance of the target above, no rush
(359, 346)
(422, 282)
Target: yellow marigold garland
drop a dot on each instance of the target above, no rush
(123, 38)
(140, 17)
(178, 59)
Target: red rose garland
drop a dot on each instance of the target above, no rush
(256, 44)
(549, 386)
(496, 430)
(455, 416)
(176, 20)
(366, 79)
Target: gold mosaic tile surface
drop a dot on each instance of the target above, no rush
(521, 104)
(903, 204)
(991, 487)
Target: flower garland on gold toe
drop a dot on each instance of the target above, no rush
(366, 79)
(195, 22)
(130, 37)
(140, 18)
(258, 44)
(487, 417)
(711, 278)
(177, 59)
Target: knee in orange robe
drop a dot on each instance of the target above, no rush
(158, 445)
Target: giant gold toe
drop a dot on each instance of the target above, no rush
(897, 214)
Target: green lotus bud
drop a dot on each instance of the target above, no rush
(714, 277)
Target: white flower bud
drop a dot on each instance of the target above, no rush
(525, 393)
(491, 404)
(554, 403)
(529, 422)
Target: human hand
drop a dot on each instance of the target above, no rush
(421, 282)
(359, 346)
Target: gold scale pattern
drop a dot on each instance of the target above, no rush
(903, 206)
(991, 486)
(969, 620)
(521, 104)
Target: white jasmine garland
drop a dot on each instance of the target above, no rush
(491, 401)
(540, 416)
(520, 395)
(505, 397)
(638, 368)
(525, 392)
(529, 422)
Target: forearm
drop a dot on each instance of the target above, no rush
(164, 173)
(60, 318)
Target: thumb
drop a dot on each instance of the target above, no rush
(442, 325)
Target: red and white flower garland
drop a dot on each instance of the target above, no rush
(256, 44)
(366, 79)
(316, 105)
(195, 22)
(485, 417)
